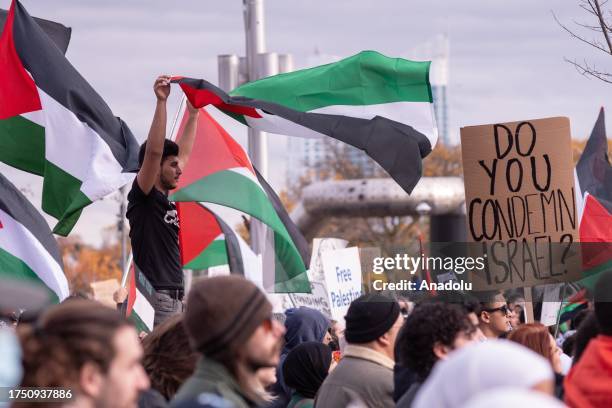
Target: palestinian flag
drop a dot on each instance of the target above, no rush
(378, 104)
(59, 33)
(28, 250)
(201, 240)
(206, 240)
(53, 124)
(220, 172)
(138, 306)
(594, 182)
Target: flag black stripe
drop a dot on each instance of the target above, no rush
(59, 33)
(294, 232)
(46, 63)
(593, 169)
(15, 204)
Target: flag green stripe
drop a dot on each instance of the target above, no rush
(367, 78)
(138, 323)
(591, 276)
(14, 268)
(213, 255)
(62, 198)
(286, 281)
(246, 196)
(22, 144)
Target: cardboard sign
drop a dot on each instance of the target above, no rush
(103, 291)
(342, 269)
(315, 300)
(520, 202)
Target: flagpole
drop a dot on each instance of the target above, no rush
(176, 118)
(126, 270)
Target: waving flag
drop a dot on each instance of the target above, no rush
(594, 187)
(220, 172)
(206, 240)
(138, 307)
(59, 33)
(28, 250)
(378, 104)
(53, 124)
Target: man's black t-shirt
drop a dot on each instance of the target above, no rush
(154, 227)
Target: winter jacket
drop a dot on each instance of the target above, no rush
(589, 382)
(363, 375)
(213, 378)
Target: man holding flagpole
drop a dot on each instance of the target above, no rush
(154, 223)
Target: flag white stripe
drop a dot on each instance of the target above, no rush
(144, 309)
(21, 243)
(419, 115)
(415, 114)
(78, 150)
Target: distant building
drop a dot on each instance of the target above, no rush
(437, 50)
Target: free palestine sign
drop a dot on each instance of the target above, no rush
(520, 202)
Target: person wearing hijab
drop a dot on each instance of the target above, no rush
(302, 324)
(480, 367)
(305, 369)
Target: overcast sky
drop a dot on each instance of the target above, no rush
(506, 58)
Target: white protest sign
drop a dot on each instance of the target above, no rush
(320, 245)
(551, 304)
(315, 300)
(342, 270)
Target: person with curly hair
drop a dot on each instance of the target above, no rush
(430, 333)
(168, 357)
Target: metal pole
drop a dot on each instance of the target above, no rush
(255, 44)
(126, 271)
(258, 141)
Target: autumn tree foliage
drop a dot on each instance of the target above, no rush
(84, 263)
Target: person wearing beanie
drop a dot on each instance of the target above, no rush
(365, 373)
(229, 321)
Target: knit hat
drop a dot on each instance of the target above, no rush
(222, 313)
(369, 317)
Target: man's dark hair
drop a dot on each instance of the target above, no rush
(578, 319)
(603, 303)
(587, 330)
(64, 339)
(466, 301)
(168, 358)
(568, 345)
(170, 149)
(428, 324)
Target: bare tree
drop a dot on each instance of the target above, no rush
(601, 26)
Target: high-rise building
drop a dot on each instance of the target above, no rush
(437, 51)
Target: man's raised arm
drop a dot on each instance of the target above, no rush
(149, 170)
(185, 143)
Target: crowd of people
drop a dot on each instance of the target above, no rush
(227, 349)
